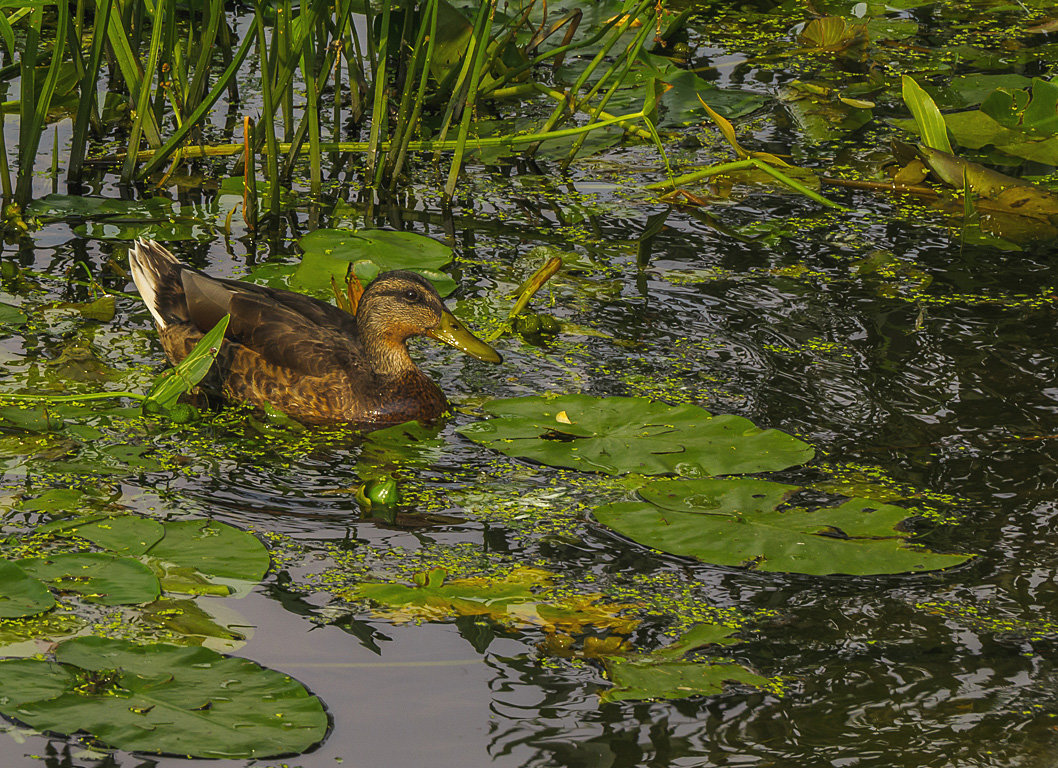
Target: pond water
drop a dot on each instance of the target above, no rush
(917, 363)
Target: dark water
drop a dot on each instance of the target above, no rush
(948, 389)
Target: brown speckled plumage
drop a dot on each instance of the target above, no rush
(305, 357)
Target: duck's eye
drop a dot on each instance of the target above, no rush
(411, 294)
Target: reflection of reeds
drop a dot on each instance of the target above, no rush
(391, 82)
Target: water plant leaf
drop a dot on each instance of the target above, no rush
(124, 534)
(163, 698)
(98, 577)
(635, 679)
(329, 252)
(664, 674)
(182, 378)
(513, 599)
(738, 522)
(403, 446)
(931, 125)
(153, 217)
(1035, 112)
(21, 594)
(11, 316)
(617, 435)
(214, 548)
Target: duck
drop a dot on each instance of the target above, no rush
(313, 361)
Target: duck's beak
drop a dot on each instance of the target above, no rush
(454, 333)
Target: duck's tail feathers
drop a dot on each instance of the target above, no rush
(156, 273)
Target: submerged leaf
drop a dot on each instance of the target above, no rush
(739, 522)
(616, 435)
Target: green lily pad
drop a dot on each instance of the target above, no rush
(637, 680)
(616, 435)
(123, 534)
(11, 316)
(163, 699)
(213, 548)
(99, 578)
(513, 599)
(21, 594)
(737, 522)
(404, 446)
(329, 252)
(664, 674)
(153, 217)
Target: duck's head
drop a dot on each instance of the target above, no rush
(401, 304)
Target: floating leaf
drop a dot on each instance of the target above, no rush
(664, 675)
(99, 578)
(636, 680)
(124, 534)
(21, 594)
(163, 698)
(738, 522)
(1035, 113)
(11, 316)
(630, 434)
(512, 599)
(213, 548)
(152, 217)
(329, 252)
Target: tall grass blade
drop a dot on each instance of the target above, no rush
(225, 81)
(468, 107)
(268, 113)
(380, 102)
(130, 70)
(30, 132)
(143, 100)
(87, 104)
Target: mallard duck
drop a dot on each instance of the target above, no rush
(313, 361)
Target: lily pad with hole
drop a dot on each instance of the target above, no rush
(98, 577)
(167, 699)
(21, 594)
(742, 522)
(617, 435)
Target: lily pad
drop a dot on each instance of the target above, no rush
(635, 679)
(213, 548)
(738, 522)
(329, 252)
(21, 594)
(153, 217)
(513, 599)
(665, 674)
(99, 578)
(11, 316)
(123, 534)
(163, 699)
(616, 435)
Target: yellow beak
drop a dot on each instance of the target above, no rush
(454, 333)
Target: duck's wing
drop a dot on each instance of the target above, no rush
(274, 324)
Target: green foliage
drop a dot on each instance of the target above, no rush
(98, 578)
(163, 699)
(931, 126)
(330, 252)
(20, 593)
(743, 522)
(629, 434)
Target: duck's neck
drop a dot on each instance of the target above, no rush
(387, 356)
